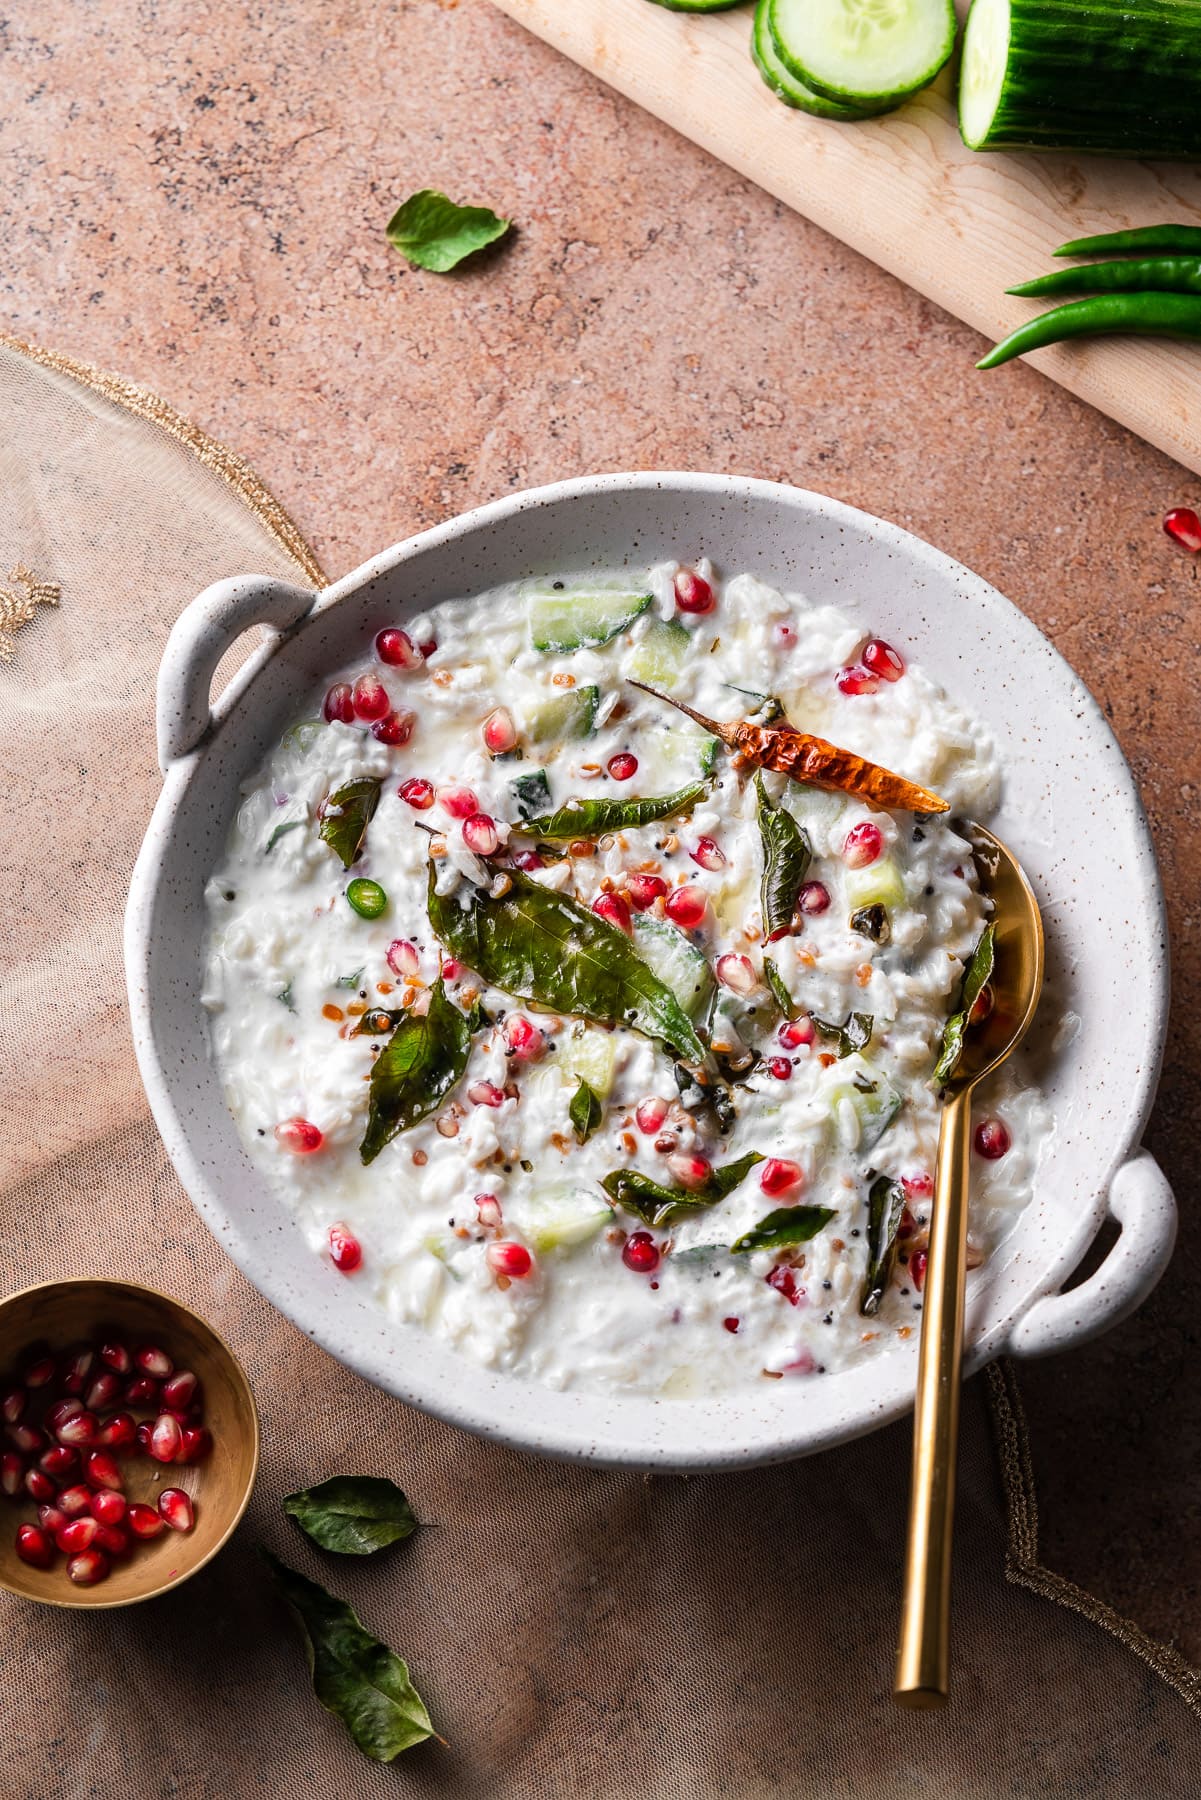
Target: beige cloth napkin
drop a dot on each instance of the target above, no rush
(575, 1632)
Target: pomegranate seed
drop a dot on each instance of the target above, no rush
(857, 680)
(34, 1546)
(459, 802)
(731, 1325)
(615, 910)
(195, 1443)
(62, 1409)
(640, 1253)
(89, 1567)
(112, 1540)
(180, 1391)
(39, 1370)
(485, 1093)
(523, 1040)
(427, 646)
(526, 859)
(59, 1460)
(917, 1268)
(784, 1281)
(487, 1209)
(77, 1366)
(480, 834)
(882, 660)
(26, 1437)
(108, 1506)
(693, 592)
(794, 1034)
(371, 698)
(144, 1522)
(623, 766)
(918, 1187)
(862, 845)
(708, 855)
(780, 1068)
(451, 970)
(783, 635)
(397, 728)
(51, 1518)
(417, 793)
(685, 906)
(505, 1258)
(115, 1356)
(397, 648)
(982, 1005)
(345, 1250)
(165, 1438)
(13, 1405)
(118, 1430)
(500, 733)
(814, 898)
(39, 1486)
(779, 1176)
(650, 1114)
(1184, 526)
(644, 890)
(991, 1139)
(103, 1391)
(403, 958)
(299, 1136)
(689, 1171)
(175, 1508)
(142, 1390)
(102, 1471)
(12, 1473)
(75, 1500)
(80, 1428)
(142, 1434)
(737, 973)
(339, 704)
(151, 1359)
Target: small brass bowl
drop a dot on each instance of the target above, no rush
(64, 1313)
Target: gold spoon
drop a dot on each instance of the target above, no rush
(922, 1653)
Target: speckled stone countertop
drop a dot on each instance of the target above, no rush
(196, 197)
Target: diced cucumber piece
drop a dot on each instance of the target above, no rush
(871, 1097)
(863, 53)
(581, 618)
(588, 1053)
(880, 884)
(780, 79)
(562, 718)
(560, 1218)
(691, 753)
(660, 653)
(441, 1250)
(680, 966)
(531, 793)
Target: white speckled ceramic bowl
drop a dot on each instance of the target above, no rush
(1071, 813)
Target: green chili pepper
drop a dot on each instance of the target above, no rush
(1136, 274)
(1172, 240)
(367, 898)
(1141, 315)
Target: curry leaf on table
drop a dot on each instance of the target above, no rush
(579, 818)
(435, 233)
(786, 857)
(885, 1205)
(659, 1205)
(540, 946)
(585, 1112)
(786, 1226)
(355, 1677)
(855, 1034)
(421, 1063)
(976, 978)
(346, 815)
(354, 1515)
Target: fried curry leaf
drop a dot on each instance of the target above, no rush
(585, 1112)
(660, 1205)
(353, 1515)
(786, 1226)
(541, 946)
(346, 816)
(779, 991)
(976, 978)
(422, 1062)
(786, 857)
(856, 1034)
(578, 818)
(885, 1205)
(432, 231)
(355, 1677)
(872, 922)
(531, 792)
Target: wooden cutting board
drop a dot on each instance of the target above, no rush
(905, 191)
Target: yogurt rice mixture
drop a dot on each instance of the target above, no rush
(593, 1047)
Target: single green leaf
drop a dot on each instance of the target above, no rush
(353, 1515)
(531, 793)
(786, 857)
(872, 922)
(660, 1205)
(885, 1205)
(543, 947)
(422, 1062)
(779, 990)
(856, 1034)
(431, 231)
(355, 1677)
(286, 997)
(579, 818)
(585, 1112)
(282, 831)
(346, 815)
(350, 981)
(786, 1226)
(976, 978)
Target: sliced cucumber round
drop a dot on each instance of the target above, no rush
(562, 717)
(870, 54)
(780, 78)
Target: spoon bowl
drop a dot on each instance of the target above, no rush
(1019, 955)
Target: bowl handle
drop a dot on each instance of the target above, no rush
(199, 639)
(1141, 1202)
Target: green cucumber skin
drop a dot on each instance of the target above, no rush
(1107, 77)
(865, 101)
(698, 6)
(783, 83)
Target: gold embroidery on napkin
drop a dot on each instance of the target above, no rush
(19, 602)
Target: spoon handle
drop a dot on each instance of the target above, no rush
(922, 1654)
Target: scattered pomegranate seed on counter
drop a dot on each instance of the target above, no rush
(615, 911)
(644, 890)
(862, 845)
(523, 1039)
(737, 973)
(991, 1139)
(708, 855)
(459, 802)
(417, 793)
(480, 834)
(779, 1176)
(882, 660)
(396, 728)
(346, 1253)
(370, 698)
(693, 593)
(650, 1114)
(857, 680)
(1184, 527)
(339, 704)
(299, 1136)
(397, 648)
(622, 766)
(640, 1253)
(511, 1260)
(794, 1034)
(685, 906)
(500, 733)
